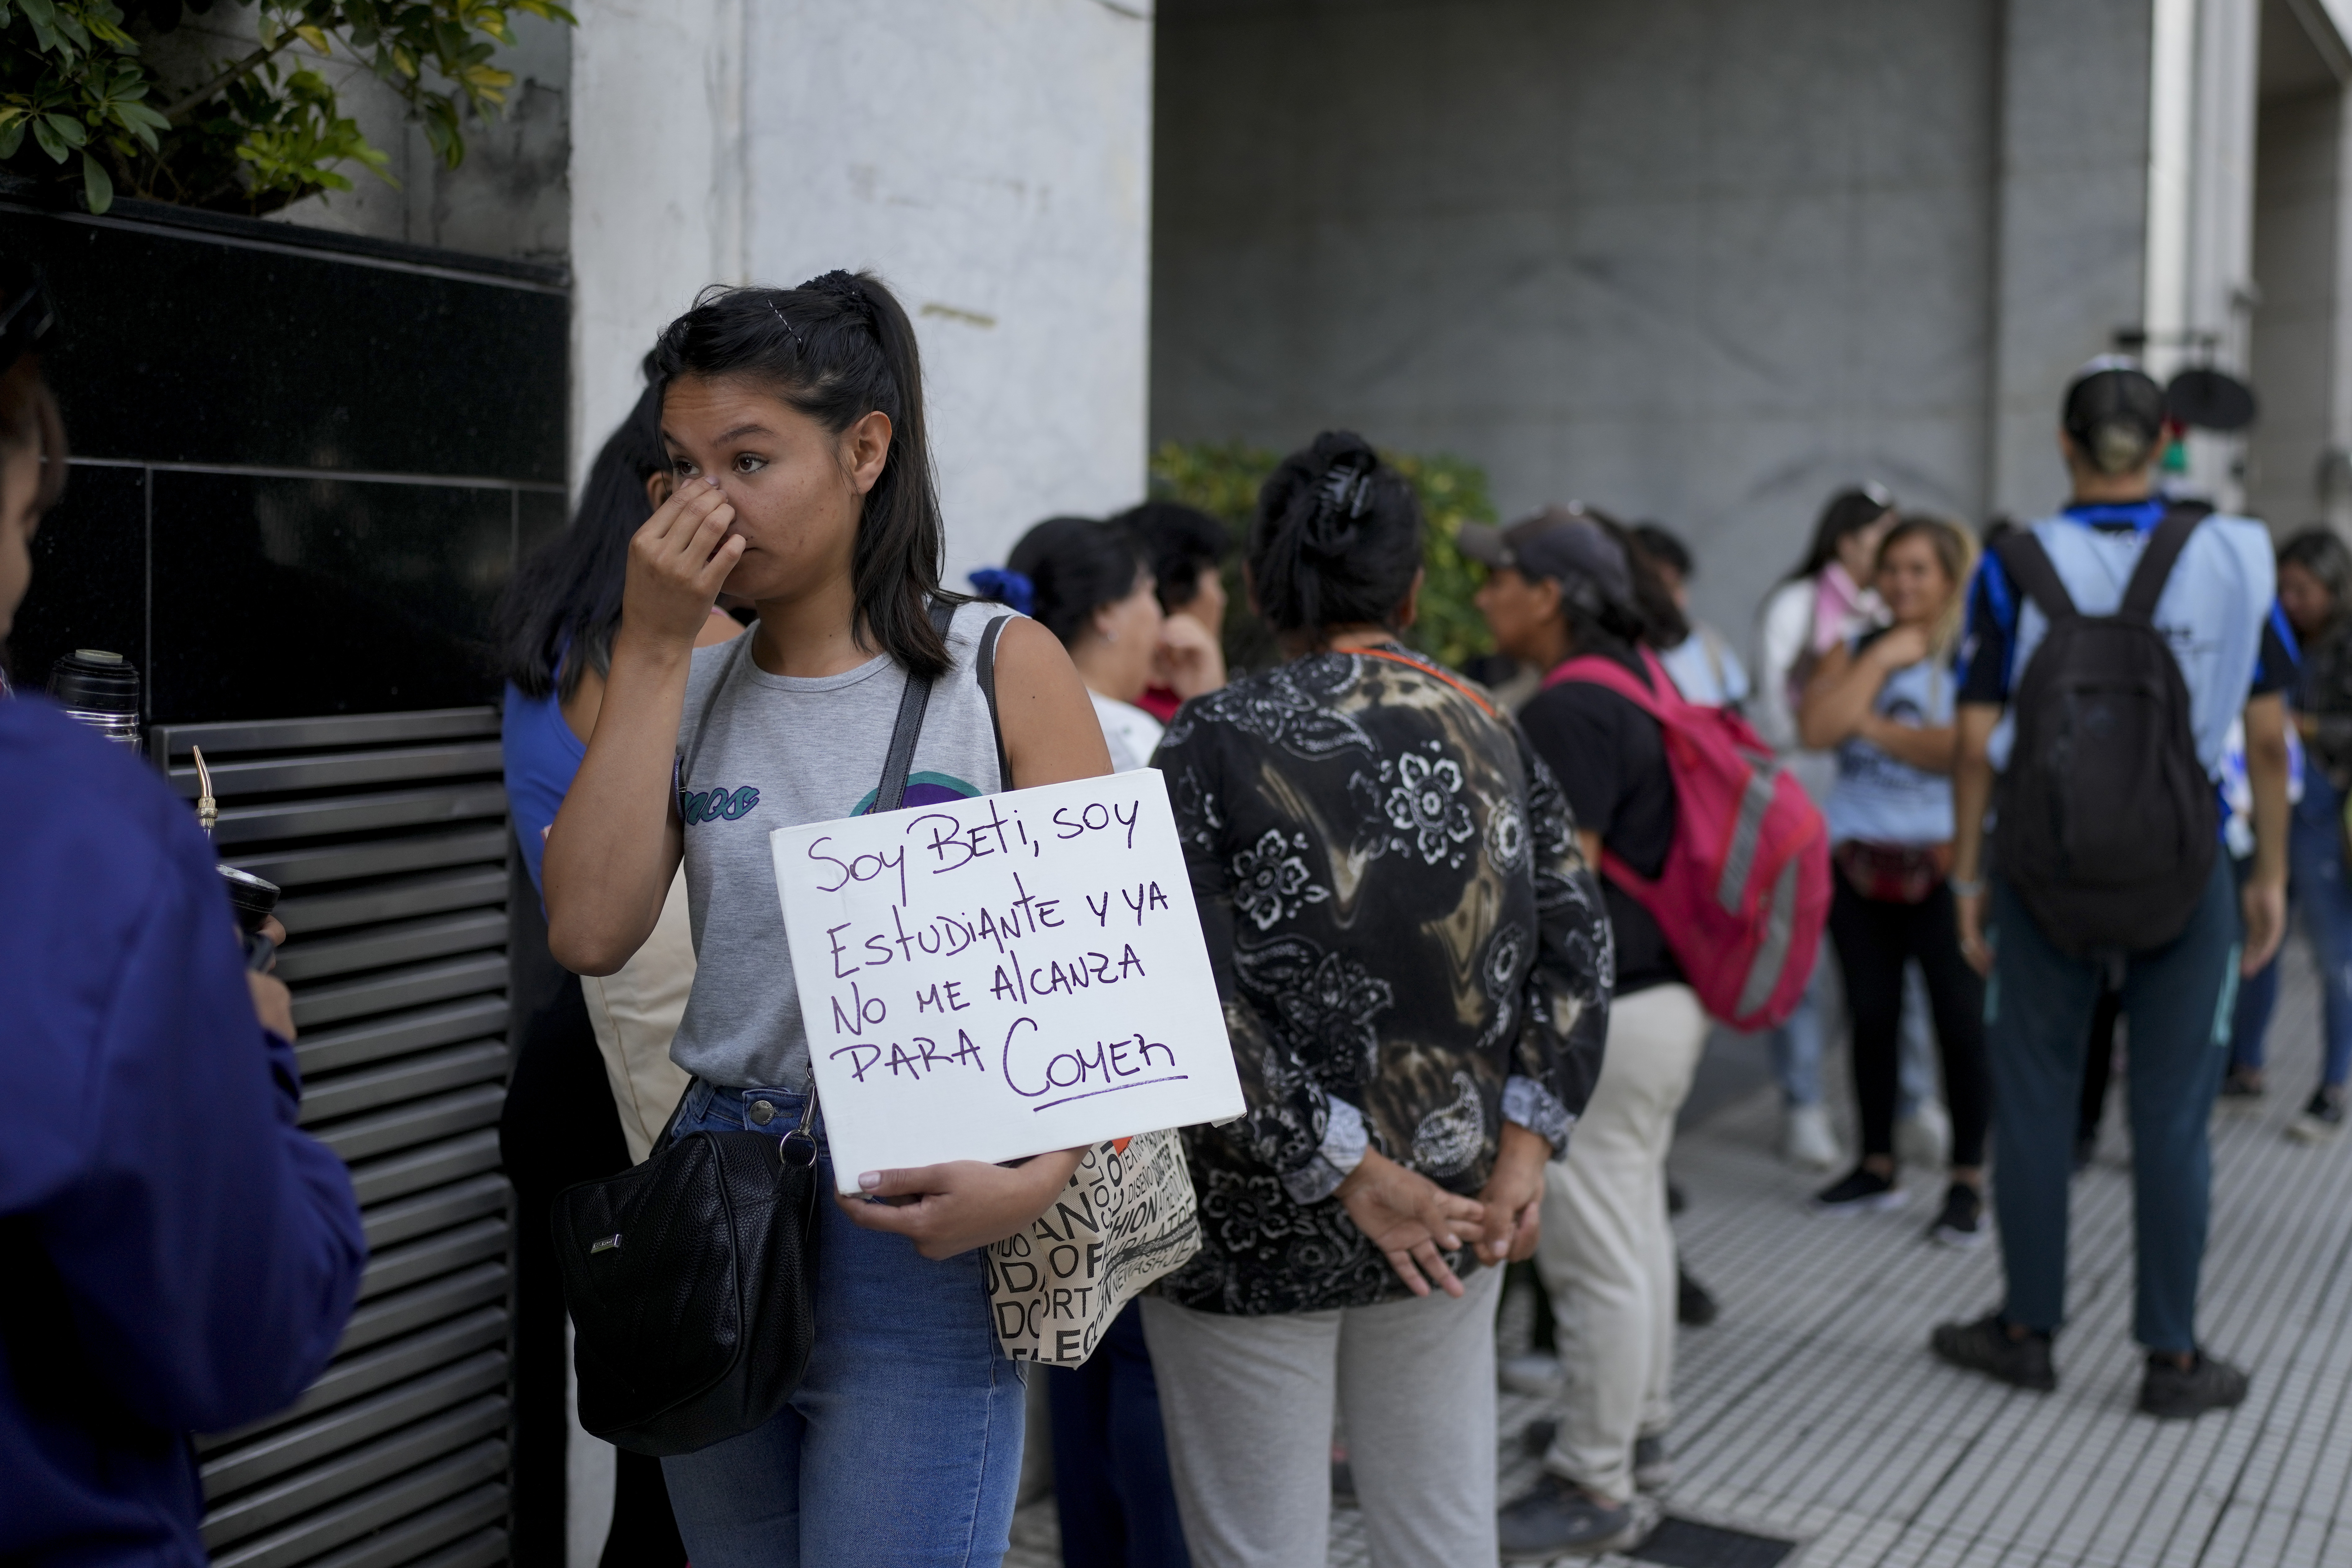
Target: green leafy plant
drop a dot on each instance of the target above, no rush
(80, 97)
(1223, 477)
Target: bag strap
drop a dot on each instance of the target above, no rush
(891, 792)
(1483, 706)
(985, 667)
(2155, 562)
(2020, 553)
(1599, 669)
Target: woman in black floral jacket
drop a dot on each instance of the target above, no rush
(1415, 966)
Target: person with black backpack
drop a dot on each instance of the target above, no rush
(2107, 652)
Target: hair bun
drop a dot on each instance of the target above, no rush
(844, 287)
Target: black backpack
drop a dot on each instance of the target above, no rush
(2106, 824)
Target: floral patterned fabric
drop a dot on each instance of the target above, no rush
(1410, 947)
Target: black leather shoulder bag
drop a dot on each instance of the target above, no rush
(689, 1276)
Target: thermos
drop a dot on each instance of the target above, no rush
(99, 689)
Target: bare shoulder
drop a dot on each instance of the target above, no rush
(1051, 733)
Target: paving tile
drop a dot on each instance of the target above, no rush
(1812, 1407)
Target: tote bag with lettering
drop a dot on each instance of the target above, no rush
(1126, 1219)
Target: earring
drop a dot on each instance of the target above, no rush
(1110, 637)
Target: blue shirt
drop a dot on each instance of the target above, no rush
(206, 1252)
(542, 758)
(1878, 798)
(1705, 671)
(2219, 610)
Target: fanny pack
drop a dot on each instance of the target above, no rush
(1893, 873)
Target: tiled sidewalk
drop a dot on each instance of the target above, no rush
(1812, 1411)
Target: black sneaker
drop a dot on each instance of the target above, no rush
(1986, 1346)
(2242, 1083)
(1961, 1224)
(1559, 1517)
(1860, 1192)
(2322, 1119)
(1652, 1471)
(1694, 1305)
(2171, 1392)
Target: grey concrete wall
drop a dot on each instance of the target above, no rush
(508, 198)
(1695, 260)
(2072, 215)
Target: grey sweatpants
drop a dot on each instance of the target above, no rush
(1248, 1405)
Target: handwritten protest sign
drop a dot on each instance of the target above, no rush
(991, 978)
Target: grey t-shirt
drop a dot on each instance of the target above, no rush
(762, 751)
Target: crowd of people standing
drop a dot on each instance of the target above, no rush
(1464, 1008)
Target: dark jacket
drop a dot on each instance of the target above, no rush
(1407, 941)
(177, 1256)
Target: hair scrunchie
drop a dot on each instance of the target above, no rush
(1006, 587)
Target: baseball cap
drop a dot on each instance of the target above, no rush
(1558, 543)
(2114, 395)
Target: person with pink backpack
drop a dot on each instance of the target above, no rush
(1716, 876)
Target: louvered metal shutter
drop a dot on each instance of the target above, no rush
(388, 834)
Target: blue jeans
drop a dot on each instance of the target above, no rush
(2180, 999)
(2321, 892)
(902, 1444)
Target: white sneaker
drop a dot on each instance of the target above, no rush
(1923, 1140)
(1807, 1142)
(1536, 1372)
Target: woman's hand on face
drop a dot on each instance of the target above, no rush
(1188, 660)
(677, 562)
(952, 1208)
(1513, 1196)
(1410, 1218)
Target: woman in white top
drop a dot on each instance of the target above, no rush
(1087, 582)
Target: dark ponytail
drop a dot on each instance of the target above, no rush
(1337, 538)
(1599, 623)
(838, 348)
(1075, 565)
(555, 621)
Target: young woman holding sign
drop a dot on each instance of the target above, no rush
(1414, 961)
(794, 420)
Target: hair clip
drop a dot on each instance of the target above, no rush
(1347, 490)
(786, 321)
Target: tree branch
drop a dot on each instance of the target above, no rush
(178, 113)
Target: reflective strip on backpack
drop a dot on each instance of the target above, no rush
(1780, 930)
(1754, 802)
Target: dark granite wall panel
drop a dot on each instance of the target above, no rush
(303, 581)
(90, 575)
(181, 347)
(280, 599)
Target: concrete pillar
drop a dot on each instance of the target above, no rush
(991, 160)
(657, 198)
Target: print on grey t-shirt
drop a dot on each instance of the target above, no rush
(762, 751)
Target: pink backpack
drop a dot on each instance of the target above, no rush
(1746, 887)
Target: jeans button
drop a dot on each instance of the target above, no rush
(764, 1112)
